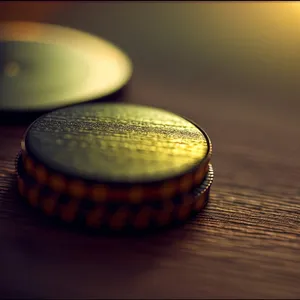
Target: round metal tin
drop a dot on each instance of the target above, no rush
(116, 152)
(43, 67)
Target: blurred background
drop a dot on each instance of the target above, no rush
(248, 49)
(233, 67)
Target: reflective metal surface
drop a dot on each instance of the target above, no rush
(43, 67)
(117, 142)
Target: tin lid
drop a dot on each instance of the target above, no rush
(43, 67)
(117, 152)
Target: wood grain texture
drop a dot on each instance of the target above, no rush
(244, 245)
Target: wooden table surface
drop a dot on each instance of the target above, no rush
(234, 69)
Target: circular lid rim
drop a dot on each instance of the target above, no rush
(64, 31)
(88, 179)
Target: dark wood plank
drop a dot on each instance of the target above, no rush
(245, 244)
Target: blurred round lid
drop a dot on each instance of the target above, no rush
(45, 66)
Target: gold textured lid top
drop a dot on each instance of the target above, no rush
(45, 66)
(117, 143)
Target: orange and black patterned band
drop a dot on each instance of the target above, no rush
(108, 214)
(100, 193)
